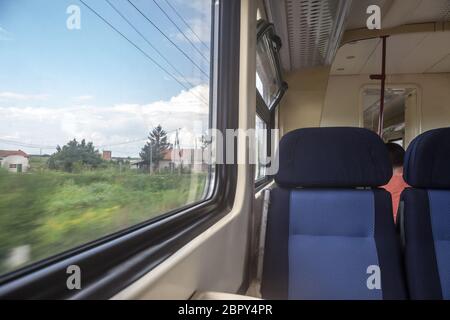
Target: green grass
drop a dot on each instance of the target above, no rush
(38, 163)
(54, 211)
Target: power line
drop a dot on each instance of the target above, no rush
(26, 145)
(170, 40)
(151, 45)
(187, 24)
(132, 141)
(181, 31)
(138, 48)
(121, 143)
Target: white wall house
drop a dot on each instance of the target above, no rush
(14, 161)
(173, 159)
(194, 159)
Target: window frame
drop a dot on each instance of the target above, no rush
(111, 263)
(262, 178)
(262, 28)
(269, 119)
(265, 112)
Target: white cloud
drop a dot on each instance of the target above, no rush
(21, 96)
(199, 23)
(187, 80)
(201, 6)
(108, 126)
(5, 35)
(84, 98)
(200, 33)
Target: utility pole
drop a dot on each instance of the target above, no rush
(177, 147)
(194, 155)
(151, 158)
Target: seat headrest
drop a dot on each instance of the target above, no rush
(333, 157)
(427, 160)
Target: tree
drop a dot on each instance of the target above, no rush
(75, 155)
(153, 151)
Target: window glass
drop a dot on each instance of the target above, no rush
(270, 88)
(104, 107)
(268, 81)
(395, 105)
(261, 148)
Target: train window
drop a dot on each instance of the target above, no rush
(260, 148)
(400, 103)
(270, 89)
(269, 81)
(103, 106)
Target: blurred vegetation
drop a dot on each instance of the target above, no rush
(38, 163)
(53, 211)
(75, 156)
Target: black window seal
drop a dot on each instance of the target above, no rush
(261, 27)
(107, 267)
(260, 184)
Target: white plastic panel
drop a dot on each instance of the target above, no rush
(400, 12)
(406, 54)
(311, 28)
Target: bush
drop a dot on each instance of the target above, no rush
(54, 211)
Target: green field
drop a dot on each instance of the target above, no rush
(52, 211)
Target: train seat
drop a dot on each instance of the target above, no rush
(330, 232)
(426, 215)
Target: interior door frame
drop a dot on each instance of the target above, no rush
(416, 112)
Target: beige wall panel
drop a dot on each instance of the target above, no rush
(302, 104)
(342, 102)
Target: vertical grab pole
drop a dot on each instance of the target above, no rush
(383, 88)
(381, 77)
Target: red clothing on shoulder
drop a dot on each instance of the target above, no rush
(395, 188)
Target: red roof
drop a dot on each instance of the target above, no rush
(7, 153)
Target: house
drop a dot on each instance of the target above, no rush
(168, 160)
(165, 164)
(107, 155)
(191, 159)
(14, 161)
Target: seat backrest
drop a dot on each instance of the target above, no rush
(330, 232)
(426, 215)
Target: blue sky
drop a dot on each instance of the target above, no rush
(56, 82)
